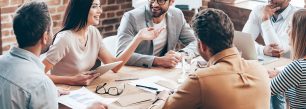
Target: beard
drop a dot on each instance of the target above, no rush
(46, 47)
(281, 5)
(157, 11)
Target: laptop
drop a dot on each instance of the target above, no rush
(246, 46)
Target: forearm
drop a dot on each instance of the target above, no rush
(127, 53)
(60, 79)
(269, 34)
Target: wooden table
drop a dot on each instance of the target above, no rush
(138, 72)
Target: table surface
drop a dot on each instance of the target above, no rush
(138, 72)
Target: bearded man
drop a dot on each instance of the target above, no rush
(158, 52)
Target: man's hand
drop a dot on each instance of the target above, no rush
(268, 11)
(170, 60)
(273, 50)
(98, 105)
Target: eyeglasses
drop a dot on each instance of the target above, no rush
(114, 91)
(160, 2)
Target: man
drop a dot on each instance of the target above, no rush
(229, 81)
(271, 21)
(24, 85)
(157, 14)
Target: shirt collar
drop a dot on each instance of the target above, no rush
(26, 55)
(285, 13)
(225, 53)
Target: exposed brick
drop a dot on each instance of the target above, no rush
(61, 9)
(9, 39)
(109, 28)
(120, 13)
(5, 18)
(110, 8)
(4, 3)
(6, 25)
(5, 33)
(54, 2)
(102, 2)
(110, 21)
(52, 9)
(111, 2)
(66, 1)
(57, 17)
(110, 14)
(103, 15)
(15, 2)
(57, 23)
(126, 6)
(10, 9)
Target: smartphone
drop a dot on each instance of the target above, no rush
(201, 64)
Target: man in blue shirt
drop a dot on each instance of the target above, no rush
(22, 79)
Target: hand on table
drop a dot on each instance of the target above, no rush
(273, 50)
(170, 60)
(98, 105)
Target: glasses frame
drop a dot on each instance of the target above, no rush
(158, 2)
(106, 91)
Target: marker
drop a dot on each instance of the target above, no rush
(152, 88)
(128, 79)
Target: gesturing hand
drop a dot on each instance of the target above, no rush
(149, 33)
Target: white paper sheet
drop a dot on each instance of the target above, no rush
(83, 98)
(150, 82)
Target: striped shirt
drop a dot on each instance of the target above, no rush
(292, 81)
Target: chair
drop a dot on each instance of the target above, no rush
(110, 44)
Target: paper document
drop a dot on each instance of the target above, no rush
(83, 98)
(153, 82)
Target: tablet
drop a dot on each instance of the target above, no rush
(106, 67)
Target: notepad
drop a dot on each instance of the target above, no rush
(135, 98)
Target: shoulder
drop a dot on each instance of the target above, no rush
(297, 65)
(174, 10)
(63, 36)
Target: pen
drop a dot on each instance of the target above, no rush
(152, 88)
(126, 79)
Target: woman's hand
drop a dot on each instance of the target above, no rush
(98, 105)
(82, 78)
(273, 73)
(149, 33)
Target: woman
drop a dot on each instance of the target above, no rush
(292, 80)
(77, 46)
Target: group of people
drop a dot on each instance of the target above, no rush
(148, 37)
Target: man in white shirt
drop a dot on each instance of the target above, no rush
(271, 21)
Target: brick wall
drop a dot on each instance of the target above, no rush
(110, 18)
